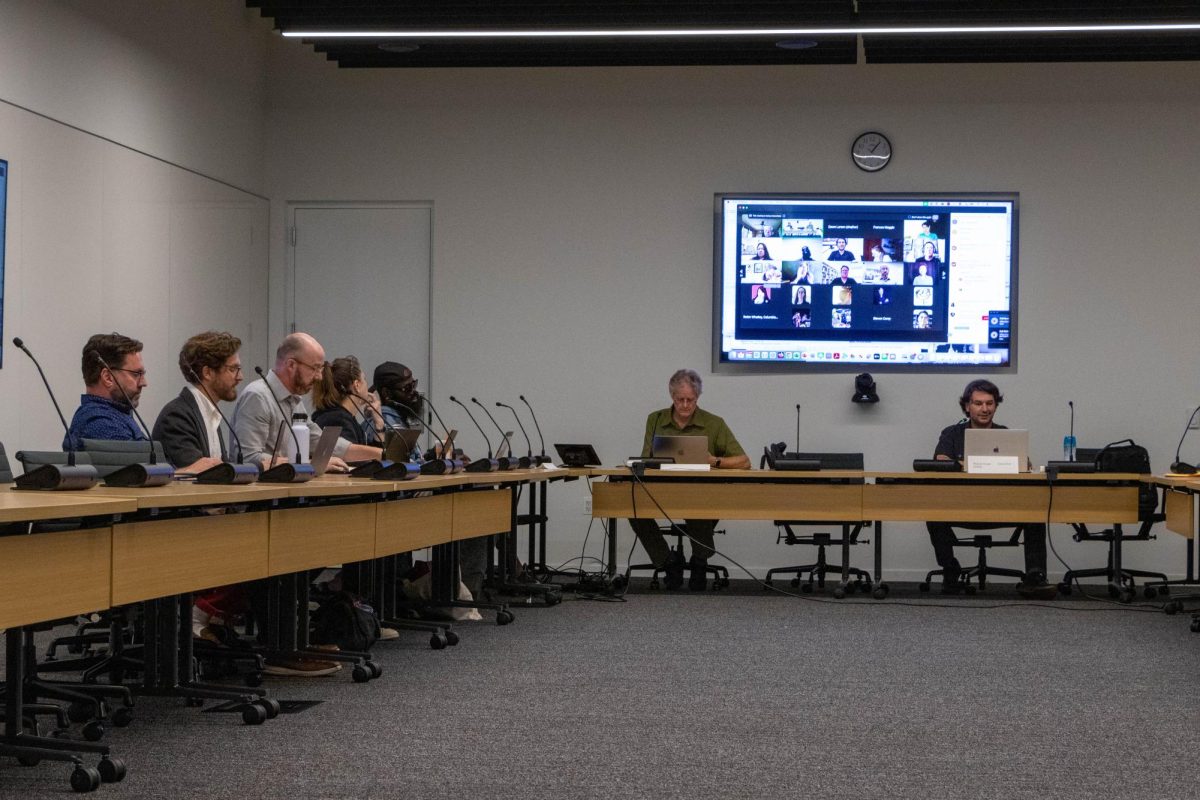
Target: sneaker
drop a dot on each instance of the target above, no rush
(387, 634)
(300, 667)
(207, 633)
(1034, 587)
(952, 578)
(698, 577)
(673, 570)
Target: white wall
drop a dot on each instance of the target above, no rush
(573, 230)
(122, 123)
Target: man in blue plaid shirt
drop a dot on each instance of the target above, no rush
(103, 411)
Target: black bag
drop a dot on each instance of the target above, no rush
(1127, 456)
(346, 621)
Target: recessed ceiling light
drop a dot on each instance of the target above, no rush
(399, 47)
(796, 44)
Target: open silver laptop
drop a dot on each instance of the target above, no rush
(323, 450)
(997, 442)
(683, 449)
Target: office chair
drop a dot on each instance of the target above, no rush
(1121, 580)
(109, 455)
(850, 530)
(981, 570)
(719, 574)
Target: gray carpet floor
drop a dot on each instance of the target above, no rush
(706, 696)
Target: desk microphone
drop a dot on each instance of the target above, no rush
(509, 461)
(298, 472)
(488, 464)
(542, 458)
(797, 427)
(224, 473)
(55, 476)
(151, 474)
(381, 469)
(528, 444)
(1182, 467)
(434, 466)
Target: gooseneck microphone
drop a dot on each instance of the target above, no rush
(797, 427)
(298, 472)
(224, 473)
(528, 444)
(151, 474)
(381, 469)
(1182, 467)
(542, 458)
(434, 466)
(508, 461)
(488, 464)
(55, 476)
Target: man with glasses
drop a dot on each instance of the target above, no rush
(262, 429)
(189, 426)
(112, 372)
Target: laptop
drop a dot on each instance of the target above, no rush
(323, 451)
(990, 442)
(682, 449)
(398, 443)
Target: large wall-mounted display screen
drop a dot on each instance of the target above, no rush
(900, 280)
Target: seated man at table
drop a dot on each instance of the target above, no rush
(684, 418)
(978, 402)
(264, 430)
(113, 377)
(189, 426)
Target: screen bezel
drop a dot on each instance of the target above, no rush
(792, 367)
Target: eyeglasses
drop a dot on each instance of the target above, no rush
(235, 369)
(409, 384)
(314, 367)
(138, 374)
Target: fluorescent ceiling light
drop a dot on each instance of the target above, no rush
(613, 33)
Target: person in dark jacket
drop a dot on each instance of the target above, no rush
(189, 426)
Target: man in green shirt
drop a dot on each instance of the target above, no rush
(684, 418)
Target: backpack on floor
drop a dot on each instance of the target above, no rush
(347, 621)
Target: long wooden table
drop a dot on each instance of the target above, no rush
(846, 495)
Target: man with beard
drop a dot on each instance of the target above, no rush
(189, 426)
(112, 372)
(398, 397)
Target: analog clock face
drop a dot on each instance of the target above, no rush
(871, 151)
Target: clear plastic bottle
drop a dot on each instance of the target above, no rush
(1068, 448)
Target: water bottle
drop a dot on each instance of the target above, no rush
(1068, 448)
(300, 429)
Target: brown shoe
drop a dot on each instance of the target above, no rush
(300, 667)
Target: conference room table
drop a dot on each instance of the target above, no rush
(130, 545)
(1179, 506)
(862, 496)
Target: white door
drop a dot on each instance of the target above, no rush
(360, 282)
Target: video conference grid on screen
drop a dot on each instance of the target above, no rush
(866, 279)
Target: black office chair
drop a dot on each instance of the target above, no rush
(981, 570)
(109, 455)
(810, 576)
(718, 573)
(1122, 582)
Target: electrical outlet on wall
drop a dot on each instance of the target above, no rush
(587, 507)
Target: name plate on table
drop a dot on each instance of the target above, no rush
(684, 467)
(993, 465)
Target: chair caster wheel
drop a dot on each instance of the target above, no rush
(1113, 592)
(270, 705)
(451, 638)
(437, 641)
(1172, 607)
(1195, 626)
(806, 588)
(1126, 596)
(112, 770)
(122, 716)
(1064, 588)
(194, 702)
(619, 582)
(654, 583)
(253, 679)
(552, 598)
(80, 712)
(1164, 590)
(254, 714)
(93, 731)
(970, 589)
(1150, 592)
(504, 617)
(839, 593)
(795, 583)
(85, 779)
(360, 674)
(374, 668)
(923, 587)
(881, 591)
